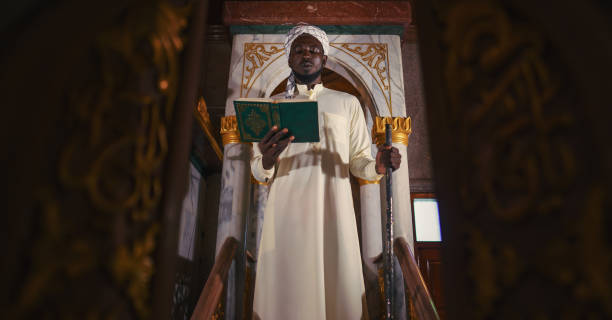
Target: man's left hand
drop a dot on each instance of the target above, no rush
(387, 157)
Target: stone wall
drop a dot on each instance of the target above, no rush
(419, 156)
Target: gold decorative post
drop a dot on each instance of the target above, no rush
(401, 130)
(229, 130)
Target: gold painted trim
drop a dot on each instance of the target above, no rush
(364, 182)
(201, 113)
(400, 132)
(229, 130)
(255, 181)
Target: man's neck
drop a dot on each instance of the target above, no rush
(310, 85)
(310, 81)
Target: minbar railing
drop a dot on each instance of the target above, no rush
(209, 298)
(417, 293)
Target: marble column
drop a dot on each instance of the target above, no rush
(233, 207)
(401, 199)
(259, 197)
(371, 243)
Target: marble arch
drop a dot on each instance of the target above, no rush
(372, 63)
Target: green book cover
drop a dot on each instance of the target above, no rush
(256, 116)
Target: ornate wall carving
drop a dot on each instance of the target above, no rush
(95, 228)
(509, 132)
(257, 56)
(375, 58)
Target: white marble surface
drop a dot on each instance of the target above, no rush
(371, 230)
(273, 69)
(233, 206)
(189, 214)
(402, 206)
(235, 192)
(255, 219)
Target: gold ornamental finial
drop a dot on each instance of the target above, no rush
(229, 130)
(401, 130)
(201, 113)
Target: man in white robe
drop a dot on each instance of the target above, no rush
(309, 263)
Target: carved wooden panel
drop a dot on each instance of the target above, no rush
(93, 90)
(515, 109)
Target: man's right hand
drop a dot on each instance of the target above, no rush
(272, 145)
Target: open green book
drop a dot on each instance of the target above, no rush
(256, 116)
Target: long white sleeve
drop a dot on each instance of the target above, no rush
(257, 169)
(361, 163)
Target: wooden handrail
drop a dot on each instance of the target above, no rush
(211, 293)
(417, 289)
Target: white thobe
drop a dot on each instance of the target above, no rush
(309, 265)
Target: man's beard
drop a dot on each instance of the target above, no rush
(307, 79)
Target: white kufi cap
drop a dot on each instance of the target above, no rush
(300, 29)
(293, 34)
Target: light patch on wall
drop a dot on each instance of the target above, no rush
(426, 220)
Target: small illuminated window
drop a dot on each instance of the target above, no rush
(426, 219)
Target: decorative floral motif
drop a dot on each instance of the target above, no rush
(257, 124)
(375, 58)
(257, 56)
(133, 268)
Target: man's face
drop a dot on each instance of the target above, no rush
(306, 57)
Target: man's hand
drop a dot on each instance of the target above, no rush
(387, 157)
(272, 145)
